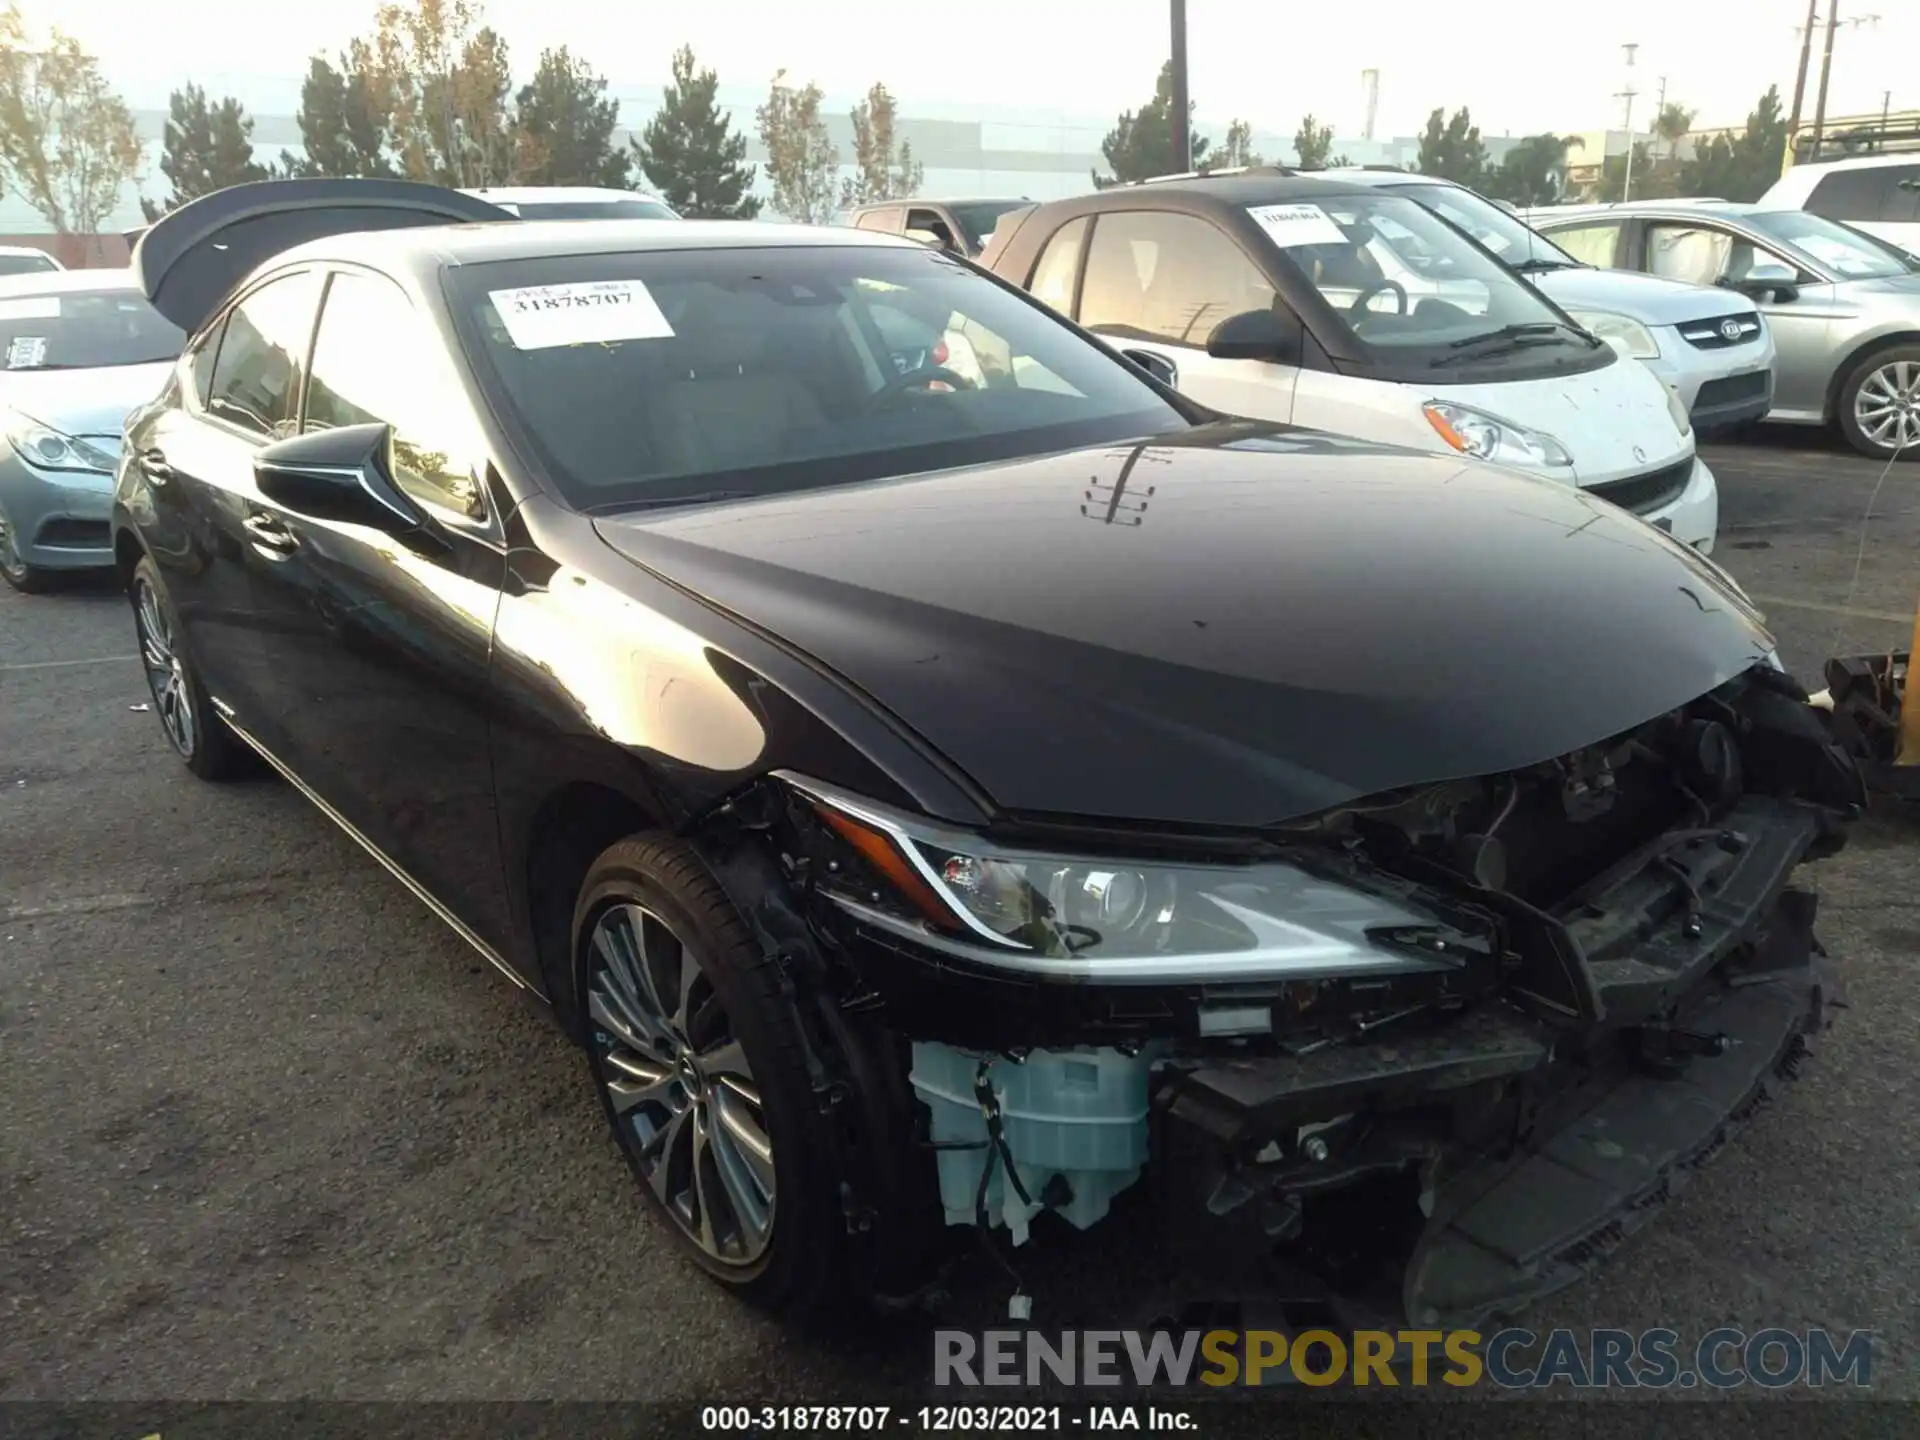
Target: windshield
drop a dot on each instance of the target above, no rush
(1409, 286)
(978, 217)
(1505, 235)
(590, 210)
(81, 329)
(641, 378)
(1827, 244)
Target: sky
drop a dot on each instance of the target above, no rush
(1521, 65)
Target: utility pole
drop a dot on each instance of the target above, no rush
(1626, 184)
(1800, 80)
(1826, 68)
(1659, 115)
(1182, 135)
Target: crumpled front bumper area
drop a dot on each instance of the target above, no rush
(1466, 1174)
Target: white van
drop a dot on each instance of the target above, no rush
(1876, 193)
(1346, 308)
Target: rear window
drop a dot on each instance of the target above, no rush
(1877, 192)
(83, 329)
(645, 377)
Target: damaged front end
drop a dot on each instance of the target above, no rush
(1435, 1050)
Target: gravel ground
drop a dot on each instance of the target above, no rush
(269, 1131)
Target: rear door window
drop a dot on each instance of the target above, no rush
(256, 380)
(1151, 275)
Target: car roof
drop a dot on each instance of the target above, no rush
(1211, 193)
(1731, 209)
(942, 200)
(556, 194)
(1383, 175)
(433, 246)
(61, 282)
(1797, 184)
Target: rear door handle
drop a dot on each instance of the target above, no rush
(153, 464)
(269, 534)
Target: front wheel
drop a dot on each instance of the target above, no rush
(697, 1055)
(197, 734)
(27, 579)
(1880, 404)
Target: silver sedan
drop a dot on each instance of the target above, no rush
(78, 350)
(1844, 307)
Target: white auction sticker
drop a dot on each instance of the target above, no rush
(539, 317)
(32, 307)
(1290, 225)
(26, 352)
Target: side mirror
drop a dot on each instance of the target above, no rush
(934, 240)
(1766, 283)
(340, 475)
(1256, 335)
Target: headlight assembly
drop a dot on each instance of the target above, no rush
(1488, 437)
(1629, 337)
(1125, 921)
(48, 449)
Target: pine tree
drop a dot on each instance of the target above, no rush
(690, 154)
(344, 114)
(1140, 146)
(207, 148)
(563, 131)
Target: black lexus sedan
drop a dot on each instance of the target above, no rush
(948, 783)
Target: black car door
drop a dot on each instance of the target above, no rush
(239, 388)
(380, 646)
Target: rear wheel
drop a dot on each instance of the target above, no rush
(196, 732)
(28, 579)
(1879, 405)
(697, 1056)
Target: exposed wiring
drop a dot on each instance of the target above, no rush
(997, 1153)
(1860, 552)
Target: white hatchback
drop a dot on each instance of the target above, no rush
(1345, 308)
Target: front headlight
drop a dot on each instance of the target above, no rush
(1626, 335)
(1117, 920)
(48, 449)
(1488, 437)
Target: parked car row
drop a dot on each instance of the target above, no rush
(948, 778)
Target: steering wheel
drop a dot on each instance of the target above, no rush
(1379, 287)
(920, 379)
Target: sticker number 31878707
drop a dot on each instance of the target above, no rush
(539, 317)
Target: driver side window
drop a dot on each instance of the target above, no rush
(1173, 278)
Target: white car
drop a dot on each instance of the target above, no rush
(1343, 308)
(26, 260)
(1712, 346)
(1876, 193)
(576, 202)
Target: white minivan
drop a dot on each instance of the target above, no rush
(1345, 308)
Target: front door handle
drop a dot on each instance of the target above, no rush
(153, 464)
(269, 534)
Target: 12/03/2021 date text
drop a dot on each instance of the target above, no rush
(939, 1419)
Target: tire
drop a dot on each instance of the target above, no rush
(203, 741)
(692, 1078)
(1887, 381)
(27, 579)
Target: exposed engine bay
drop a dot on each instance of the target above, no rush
(1439, 1049)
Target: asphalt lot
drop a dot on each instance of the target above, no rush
(268, 1130)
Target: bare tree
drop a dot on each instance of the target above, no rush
(67, 142)
(802, 161)
(882, 170)
(447, 81)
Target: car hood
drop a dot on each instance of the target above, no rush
(83, 402)
(1238, 628)
(1646, 298)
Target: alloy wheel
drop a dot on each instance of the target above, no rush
(166, 674)
(679, 1084)
(1887, 405)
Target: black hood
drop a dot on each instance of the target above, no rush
(1231, 630)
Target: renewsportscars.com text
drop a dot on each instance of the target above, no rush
(1771, 1359)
